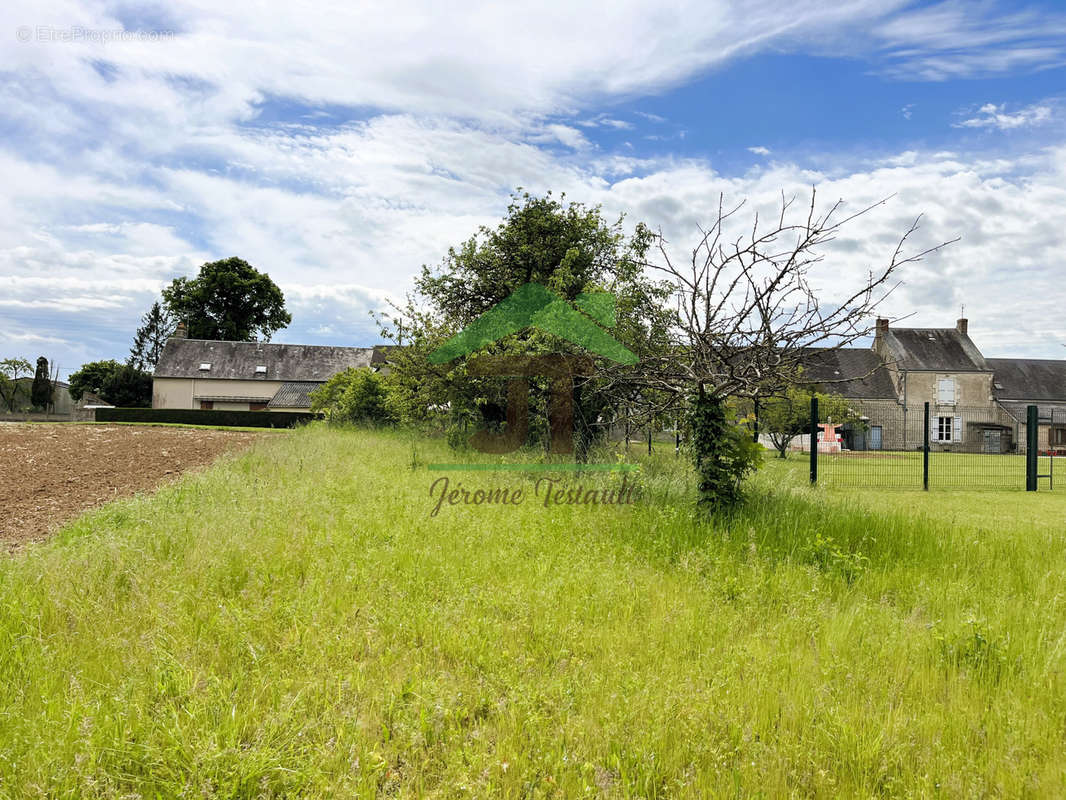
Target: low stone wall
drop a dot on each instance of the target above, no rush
(35, 417)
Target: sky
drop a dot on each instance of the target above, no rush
(340, 146)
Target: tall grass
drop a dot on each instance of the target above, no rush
(295, 622)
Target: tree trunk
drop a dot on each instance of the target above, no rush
(711, 451)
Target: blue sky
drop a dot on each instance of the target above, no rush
(338, 147)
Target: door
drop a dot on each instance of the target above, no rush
(992, 441)
(875, 437)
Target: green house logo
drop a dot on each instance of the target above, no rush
(535, 306)
(584, 323)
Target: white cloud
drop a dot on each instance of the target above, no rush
(759, 150)
(992, 116)
(126, 164)
(966, 38)
(564, 134)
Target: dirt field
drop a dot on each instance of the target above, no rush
(51, 473)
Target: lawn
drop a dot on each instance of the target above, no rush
(296, 621)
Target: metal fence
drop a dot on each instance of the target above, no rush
(1000, 446)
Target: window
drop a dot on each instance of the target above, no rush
(257, 406)
(943, 429)
(261, 370)
(207, 405)
(1058, 436)
(205, 367)
(945, 391)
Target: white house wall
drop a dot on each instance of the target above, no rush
(185, 392)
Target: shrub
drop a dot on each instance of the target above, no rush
(723, 452)
(353, 396)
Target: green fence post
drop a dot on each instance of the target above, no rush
(925, 451)
(1031, 444)
(814, 440)
(649, 440)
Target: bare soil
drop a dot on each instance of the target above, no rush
(50, 474)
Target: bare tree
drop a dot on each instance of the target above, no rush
(748, 316)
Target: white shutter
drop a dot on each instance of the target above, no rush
(945, 391)
(956, 429)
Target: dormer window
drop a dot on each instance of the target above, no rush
(261, 369)
(205, 367)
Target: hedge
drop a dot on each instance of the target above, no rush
(194, 416)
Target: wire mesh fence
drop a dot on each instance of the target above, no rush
(940, 447)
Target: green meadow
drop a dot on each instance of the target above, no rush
(296, 622)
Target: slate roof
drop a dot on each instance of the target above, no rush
(1047, 413)
(181, 358)
(1028, 378)
(294, 394)
(864, 374)
(933, 350)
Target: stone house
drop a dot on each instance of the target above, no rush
(975, 404)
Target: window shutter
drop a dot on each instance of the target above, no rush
(956, 429)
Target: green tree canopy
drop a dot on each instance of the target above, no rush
(570, 249)
(356, 395)
(11, 369)
(228, 300)
(788, 415)
(91, 378)
(119, 384)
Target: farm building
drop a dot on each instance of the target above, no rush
(248, 376)
(976, 404)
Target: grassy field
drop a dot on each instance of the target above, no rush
(296, 621)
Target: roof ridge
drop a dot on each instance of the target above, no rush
(278, 344)
(1012, 358)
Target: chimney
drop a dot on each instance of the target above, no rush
(882, 326)
(962, 325)
(180, 332)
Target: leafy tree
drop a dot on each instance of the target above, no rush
(568, 248)
(229, 300)
(156, 327)
(41, 391)
(356, 395)
(11, 369)
(128, 387)
(91, 378)
(119, 384)
(788, 415)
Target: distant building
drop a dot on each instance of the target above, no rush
(249, 376)
(62, 403)
(975, 404)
